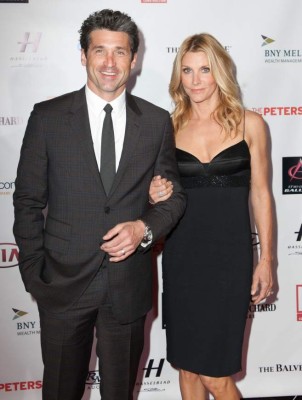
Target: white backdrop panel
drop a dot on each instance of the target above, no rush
(270, 78)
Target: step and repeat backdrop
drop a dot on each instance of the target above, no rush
(40, 59)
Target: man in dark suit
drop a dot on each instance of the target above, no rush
(88, 263)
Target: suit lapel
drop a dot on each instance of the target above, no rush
(79, 121)
(132, 134)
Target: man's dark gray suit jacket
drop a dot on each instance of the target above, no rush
(59, 256)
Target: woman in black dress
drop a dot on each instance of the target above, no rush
(208, 273)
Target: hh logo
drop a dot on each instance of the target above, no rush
(255, 239)
(299, 302)
(299, 233)
(31, 39)
(157, 369)
(9, 255)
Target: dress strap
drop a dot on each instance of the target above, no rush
(243, 125)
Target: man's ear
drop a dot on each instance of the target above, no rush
(83, 57)
(133, 62)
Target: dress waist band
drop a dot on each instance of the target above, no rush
(216, 181)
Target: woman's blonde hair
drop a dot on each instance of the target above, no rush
(229, 112)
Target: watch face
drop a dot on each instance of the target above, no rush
(147, 234)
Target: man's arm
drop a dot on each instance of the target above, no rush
(123, 239)
(163, 216)
(30, 198)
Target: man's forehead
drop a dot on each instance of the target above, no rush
(109, 37)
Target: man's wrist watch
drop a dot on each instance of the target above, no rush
(148, 236)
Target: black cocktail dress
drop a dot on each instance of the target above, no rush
(208, 264)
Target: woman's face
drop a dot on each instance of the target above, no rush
(197, 79)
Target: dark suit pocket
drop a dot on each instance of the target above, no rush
(56, 235)
(55, 243)
(31, 272)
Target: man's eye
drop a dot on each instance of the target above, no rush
(121, 52)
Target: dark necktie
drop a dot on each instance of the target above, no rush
(107, 151)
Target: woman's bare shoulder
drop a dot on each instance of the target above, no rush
(255, 126)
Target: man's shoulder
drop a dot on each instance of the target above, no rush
(60, 103)
(144, 105)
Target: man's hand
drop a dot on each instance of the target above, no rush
(122, 240)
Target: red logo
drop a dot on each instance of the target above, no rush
(292, 175)
(278, 110)
(9, 255)
(154, 1)
(295, 172)
(16, 386)
(299, 302)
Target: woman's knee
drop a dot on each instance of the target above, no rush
(216, 385)
(188, 376)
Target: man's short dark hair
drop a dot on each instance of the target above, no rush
(113, 21)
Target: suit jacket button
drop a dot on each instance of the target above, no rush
(107, 210)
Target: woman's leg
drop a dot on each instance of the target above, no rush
(222, 388)
(191, 386)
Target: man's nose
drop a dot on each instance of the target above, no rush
(109, 60)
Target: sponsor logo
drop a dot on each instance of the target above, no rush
(296, 249)
(10, 121)
(30, 42)
(151, 381)
(277, 111)
(9, 255)
(260, 308)
(295, 171)
(18, 313)
(299, 234)
(27, 51)
(29, 328)
(255, 239)
(20, 386)
(174, 49)
(93, 380)
(292, 175)
(154, 1)
(281, 368)
(151, 368)
(6, 188)
(266, 40)
(25, 328)
(279, 55)
(299, 302)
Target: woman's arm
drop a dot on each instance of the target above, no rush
(261, 201)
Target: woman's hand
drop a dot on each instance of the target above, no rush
(262, 281)
(160, 189)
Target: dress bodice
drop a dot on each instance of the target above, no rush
(230, 167)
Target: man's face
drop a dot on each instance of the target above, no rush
(108, 63)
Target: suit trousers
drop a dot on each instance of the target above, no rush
(66, 342)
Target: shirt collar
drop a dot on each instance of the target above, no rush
(96, 103)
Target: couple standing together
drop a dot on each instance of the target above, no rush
(88, 263)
